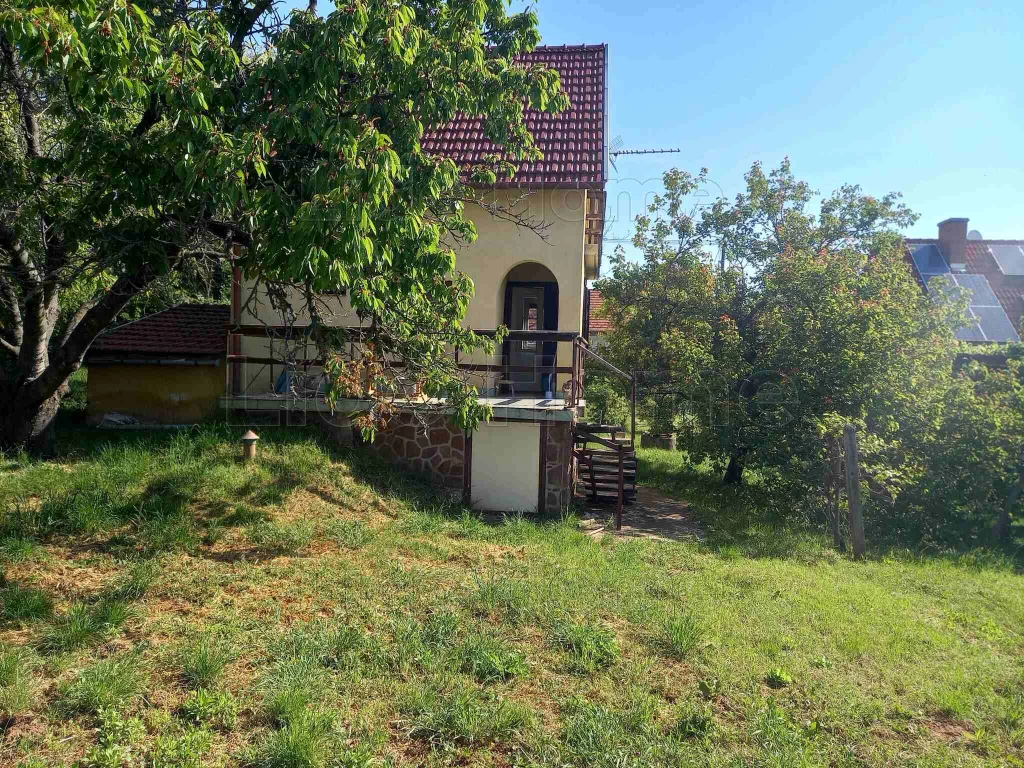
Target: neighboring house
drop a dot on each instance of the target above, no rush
(167, 368)
(521, 460)
(991, 270)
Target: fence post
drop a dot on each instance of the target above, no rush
(632, 409)
(853, 491)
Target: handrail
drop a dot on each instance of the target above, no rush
(577, 380)
(600, 440)
(604, 362)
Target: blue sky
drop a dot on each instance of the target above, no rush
(924, 98)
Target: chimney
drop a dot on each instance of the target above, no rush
(953, 243)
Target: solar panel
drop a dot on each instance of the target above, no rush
(981, 292)
(987, 321)
(928, 260)
(1010, 258)
(972, 332)
(995, 324)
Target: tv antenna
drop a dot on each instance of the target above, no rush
(615, 150)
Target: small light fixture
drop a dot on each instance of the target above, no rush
(249, 445)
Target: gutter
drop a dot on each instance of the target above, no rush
(151, 361)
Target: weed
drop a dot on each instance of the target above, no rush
(349, 534)
(203, 661)
(778, 740)
(280, 538)
(113, 682)
(18, 547)
(214, 708)
(695, 721)
(15, 682)
(84, 624)
(682, 635)
(463, 717)
(291, 686)
(309, 740)
(778, 678)
(590, 647)
(501, 599)
(24, 603)
(133, 585)
(441, 629)
(184, 750)
(709, 687)
(489, 660)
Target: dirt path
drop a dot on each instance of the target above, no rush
(652, 516)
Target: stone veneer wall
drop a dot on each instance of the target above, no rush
(558, 466)
(438, 450)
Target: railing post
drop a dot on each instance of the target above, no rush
(632, 413)
(573, 396)
(622, 485)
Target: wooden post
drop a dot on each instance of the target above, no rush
(853, 491)
(618, 507)
(632, 412)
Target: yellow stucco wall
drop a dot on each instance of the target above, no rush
(500, 247)
(155, 394)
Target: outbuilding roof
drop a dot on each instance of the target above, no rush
(598, 322)
(186, 330)
(573, 142)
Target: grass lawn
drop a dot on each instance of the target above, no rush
(165, 605)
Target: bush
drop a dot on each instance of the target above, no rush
(589, 646)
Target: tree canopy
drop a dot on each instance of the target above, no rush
(138, 140)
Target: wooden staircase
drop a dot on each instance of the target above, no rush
(603, 468)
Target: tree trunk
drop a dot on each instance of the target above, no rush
(734, 472)
(30, 426)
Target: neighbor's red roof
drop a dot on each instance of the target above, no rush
(572, 141)
(1009, 289)
(192, 330)
(598, 322)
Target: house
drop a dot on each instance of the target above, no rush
(597, 323)
(166, 368)
(992, 271)
(522, 459)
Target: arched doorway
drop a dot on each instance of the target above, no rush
(530, 304)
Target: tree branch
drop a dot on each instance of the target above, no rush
(26, 102)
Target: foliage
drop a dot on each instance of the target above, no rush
(141, 142)
(771, 327)
(210, 708)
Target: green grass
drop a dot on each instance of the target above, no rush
(318, 608)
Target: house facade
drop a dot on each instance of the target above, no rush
(535, 286)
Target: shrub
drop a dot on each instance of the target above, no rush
(113, 682)
(24, 603)
(490, 660)
(216, 708)
(203, 661)
(589, 646)
(682, 635)
(280, 538)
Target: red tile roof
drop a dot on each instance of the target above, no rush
(1009, 289)
(598, 322)
(187, 330)
(573, 142)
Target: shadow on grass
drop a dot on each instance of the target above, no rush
(757, 520)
